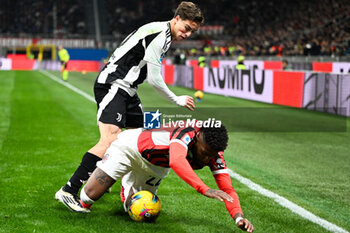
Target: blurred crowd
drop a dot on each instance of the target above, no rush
(251, 27)
(273, 27)
(31, 18)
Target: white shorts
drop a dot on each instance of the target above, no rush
(123, 160)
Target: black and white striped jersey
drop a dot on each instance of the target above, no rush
(127, 67)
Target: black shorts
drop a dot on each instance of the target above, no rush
(64, 65)
(115, 106)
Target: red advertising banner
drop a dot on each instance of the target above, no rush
(198, 74)
(214, 63)
(17, 56)
(169, 74)
(322, 66)
(288, 88)
(193, 63)
(273, 65)
(89, 66)
(23, 64)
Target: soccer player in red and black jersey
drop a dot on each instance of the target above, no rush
(142, 158)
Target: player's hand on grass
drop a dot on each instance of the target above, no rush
(185, 101)
(190, 103)
(218, 194)
(245, 225)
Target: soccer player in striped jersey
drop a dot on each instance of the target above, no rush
(142, 158)
(137, 58)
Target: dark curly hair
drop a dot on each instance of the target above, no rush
(215, 137)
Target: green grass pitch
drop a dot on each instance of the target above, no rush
(45, 128)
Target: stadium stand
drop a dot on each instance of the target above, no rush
(30, 18)
(253, 28)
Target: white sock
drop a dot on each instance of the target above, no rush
(85, 198)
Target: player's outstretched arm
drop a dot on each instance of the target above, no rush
(182, 168)
(243, 223)
(155, 79)
(218, 194)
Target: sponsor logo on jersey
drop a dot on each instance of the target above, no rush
(186, 139)
(219, 163)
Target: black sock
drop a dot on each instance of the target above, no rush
(83, 172)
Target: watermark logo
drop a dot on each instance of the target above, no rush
(151, 120)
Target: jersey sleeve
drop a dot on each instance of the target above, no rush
(156, 46)
(178, 148)
(155, 79)
(223, 180)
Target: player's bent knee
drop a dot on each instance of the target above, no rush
(109, 134)
(109, 128)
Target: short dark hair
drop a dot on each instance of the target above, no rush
(215, 137)
(189, 11)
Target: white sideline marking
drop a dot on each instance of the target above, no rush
(250, 184)
(287, 204)
(68, 85)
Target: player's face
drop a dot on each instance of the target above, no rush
(183, 28)
(202, 153)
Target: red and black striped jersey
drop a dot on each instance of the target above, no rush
(154, 145)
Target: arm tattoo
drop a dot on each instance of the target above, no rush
(103, 178)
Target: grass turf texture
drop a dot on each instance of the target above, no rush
(45, 129)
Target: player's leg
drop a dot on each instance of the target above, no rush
(134, 119)
(116, 164)
(65, 75)
(108, 134)
(95, 187)
(62, 66)
(111, 116)
(64, 71)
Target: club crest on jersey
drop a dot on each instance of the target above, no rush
(151, 120)
(119, 117)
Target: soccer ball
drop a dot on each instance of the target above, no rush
(144, 206)
(198, 95)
